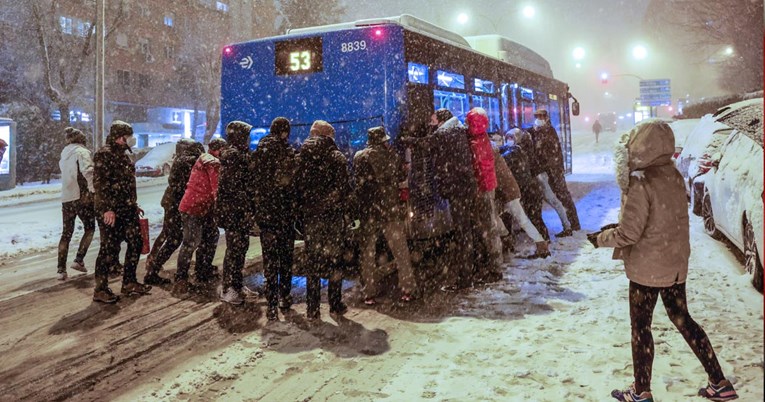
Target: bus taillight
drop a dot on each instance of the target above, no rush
(227, 50)
(378, 32)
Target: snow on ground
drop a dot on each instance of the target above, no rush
(31, 219)
(554, 329)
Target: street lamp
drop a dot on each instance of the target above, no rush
(578, 53)
(463, 19)
(728, 51)
(529, 12)
(639, 52)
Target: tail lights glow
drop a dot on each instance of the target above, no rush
(378, 32)
(227, 50)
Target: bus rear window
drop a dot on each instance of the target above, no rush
(418, 73)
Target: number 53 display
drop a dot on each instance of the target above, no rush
(300, 60)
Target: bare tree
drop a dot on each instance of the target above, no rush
(727, 33)
(64, 56)
(200, 55)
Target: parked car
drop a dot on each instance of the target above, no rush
(156, 162)
(733, 188)
(699, 145)
(681, 129)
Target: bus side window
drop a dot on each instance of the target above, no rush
(456, 102)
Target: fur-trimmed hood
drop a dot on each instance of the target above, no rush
(650, 143)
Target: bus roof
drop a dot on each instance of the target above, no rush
(496, 46)
(405, 20)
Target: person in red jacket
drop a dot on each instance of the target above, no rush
(200, 233)
(487, 266)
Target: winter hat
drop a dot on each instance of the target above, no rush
(238, 134)
(216, 144)
(377, 135)
(119, 129)
(478, 121)
(183, 145)
(74, 136)
(280, 125)
(322, 129)
(443, 115)
(541, 112)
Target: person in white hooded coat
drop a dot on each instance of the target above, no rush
(76, 199)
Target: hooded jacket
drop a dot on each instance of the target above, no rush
(275, 190)
(480, 145)
(507, 187)
(234, 206)
(187, 152)
(378, 171)
(114, 174)
(76, 172)
(202, 188)
(322, 182)
(653, 234)
(453, 161)
(547, 154)
(518, 161)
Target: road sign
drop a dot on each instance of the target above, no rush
(655, 92)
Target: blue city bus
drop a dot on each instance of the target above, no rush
(392, 72)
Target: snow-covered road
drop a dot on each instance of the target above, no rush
(554, 329)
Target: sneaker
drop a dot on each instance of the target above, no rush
(723, 391)
(630, 395)
(105, 296)
(231, 296)
(62, 276)
(340, 309)
(565, 233)
(135, 288)
(180, 288)
(543, 250)
(78, 266)
(153, 278)
(250, 291)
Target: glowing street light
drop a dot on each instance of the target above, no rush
(529, 12)
(728, 50)
(578, 65)
(578, 53)
(639, 52)
(463, 18)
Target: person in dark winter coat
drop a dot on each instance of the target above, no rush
(187, 151)
(76, 199)
(200, 233)
(323, 189)
(652, 238)
(456, 182)
(515, 154)
(117, 211)
(379, 174)
(547, 151)
(234, 206)
(488, 251)
(275, 200)
(596, 128)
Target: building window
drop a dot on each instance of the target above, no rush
(144, 81)
(82, 28)
(169, 52)
(122, 40)
(144, 45)
(221, 6)
(66, 24)
(143, 10)
(123, 78)
(169, 20)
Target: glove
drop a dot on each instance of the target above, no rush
(593, 238)
(609, 226)
(403, 194)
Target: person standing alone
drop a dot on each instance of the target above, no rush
(596, 128)
(76, 199)
(117, 212)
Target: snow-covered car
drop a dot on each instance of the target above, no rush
(733, 189)
(694, 158)
(681, 129)
(156, 162)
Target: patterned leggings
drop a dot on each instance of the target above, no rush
(642, 302)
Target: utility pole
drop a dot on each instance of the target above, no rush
(98, 132)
